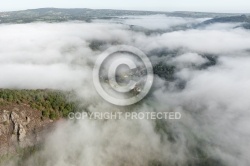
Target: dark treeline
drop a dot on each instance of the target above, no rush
(52, 103)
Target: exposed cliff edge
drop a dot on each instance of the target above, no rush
(26, 116)
(20, 127)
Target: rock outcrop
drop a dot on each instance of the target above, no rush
(21, 126)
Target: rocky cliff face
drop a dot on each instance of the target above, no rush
(21, 126)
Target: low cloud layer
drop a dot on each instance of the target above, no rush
(214, 100)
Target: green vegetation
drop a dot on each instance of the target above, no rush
(164, 71)
(53, 104)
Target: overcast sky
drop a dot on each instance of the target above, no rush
(160, 5)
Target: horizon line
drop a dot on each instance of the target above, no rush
(174, 11)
